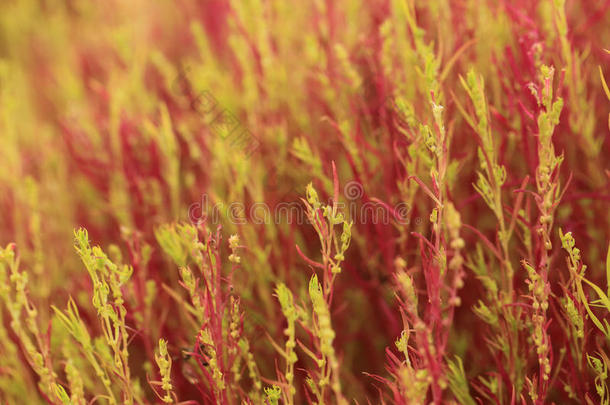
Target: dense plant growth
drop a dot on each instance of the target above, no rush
(325, 202)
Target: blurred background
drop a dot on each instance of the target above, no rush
(118, 116)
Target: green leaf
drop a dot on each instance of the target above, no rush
(458, 384)
(62, 394)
